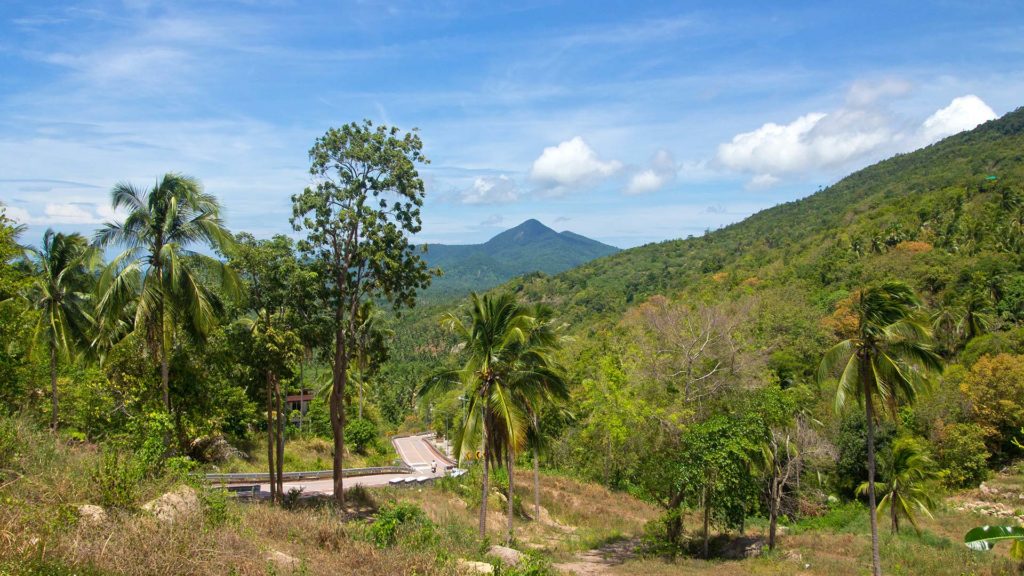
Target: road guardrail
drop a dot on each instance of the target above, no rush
(240, 477)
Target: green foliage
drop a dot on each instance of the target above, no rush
(962, 455)
(851, 444)
(116, 478)
(393, 517)
(361, 433)
(994, 387)
(908, 475)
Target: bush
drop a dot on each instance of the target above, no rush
(851, 467)
(361, 433)
(393, 516)
(116, 478)
(961, 455)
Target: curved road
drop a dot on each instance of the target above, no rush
(415, 451)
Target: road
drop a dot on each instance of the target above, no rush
(415, 451)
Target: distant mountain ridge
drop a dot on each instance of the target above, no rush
(528, 247)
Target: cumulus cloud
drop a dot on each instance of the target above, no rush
(824, 141)
(662, 170)
(570, 164)
(491, 190)
(963, 113)
(70, 213)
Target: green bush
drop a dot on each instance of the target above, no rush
(394, 516)
(961, 455)
(116, 478)
(360, 433)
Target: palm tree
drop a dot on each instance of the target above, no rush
(534, 381)
(158, 270)
(60, 291)
(888, 357)
(908, 474)
(505, 365)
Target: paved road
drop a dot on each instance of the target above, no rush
(415, 451)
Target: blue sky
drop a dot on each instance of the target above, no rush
(627, 122)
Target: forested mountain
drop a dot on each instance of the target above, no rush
(529, 247)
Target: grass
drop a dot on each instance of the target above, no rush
(42, 483)
(304, 454)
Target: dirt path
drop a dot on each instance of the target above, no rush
(600, 561)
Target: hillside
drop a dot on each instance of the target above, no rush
(960, 196)
(529, 247)
(946, 219)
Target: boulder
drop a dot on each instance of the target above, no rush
(475, 567)
(508, 556)
(173, 505)
(92, 515)
(282, 561)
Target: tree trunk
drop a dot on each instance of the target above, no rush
(53, 383)
(773, 521)
(360, 394)
(165, 364)
(707, 521)
(511, 495)
(279, 436)
(876, 560)
(895, 516)
(536, 485)
(483, 492)
(271, 468)
(338, 411)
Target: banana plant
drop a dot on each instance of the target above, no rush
(986, 537)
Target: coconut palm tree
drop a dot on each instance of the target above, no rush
(909, 474)
(158, 270)
(493, 340)
(886, 361)
(60, 292)
(534, 382)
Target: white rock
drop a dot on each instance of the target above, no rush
(477, 567)
(283, 561)
(173, 505)
(92, 515)
(508, 556)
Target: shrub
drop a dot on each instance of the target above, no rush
(393, 516)
(116, 478)
(961, 454)
(361, 433)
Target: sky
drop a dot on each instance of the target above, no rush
(627, 122)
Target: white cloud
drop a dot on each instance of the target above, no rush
(662, 171)
(826, 141)
(571, 163)
(865, 93)
(815, 140)
(60, 213)
(963, 113)
(762, 181)
(491, 190)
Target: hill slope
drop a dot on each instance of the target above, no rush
(529, 247)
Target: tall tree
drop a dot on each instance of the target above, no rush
(886, 361)
(269, 270)
(158, 270)
(490, 339)
(60, 291)
(357, 216)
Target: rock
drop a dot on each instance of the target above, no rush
(282, 561)
(173, 505)
(753, 550)
(475, 567)
(508, 556)
(92, 515)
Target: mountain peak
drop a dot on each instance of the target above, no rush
(528, 231)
